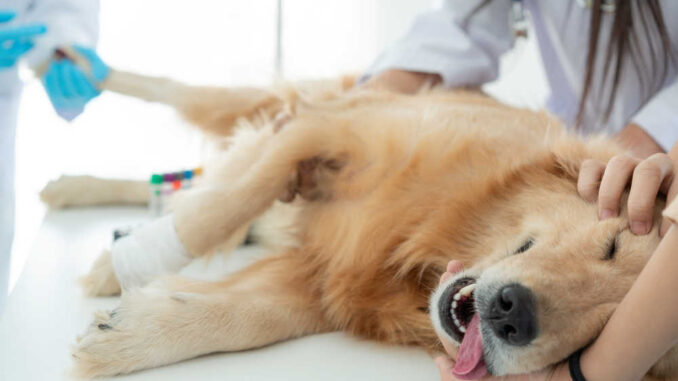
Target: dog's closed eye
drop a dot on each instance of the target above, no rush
(525, 247)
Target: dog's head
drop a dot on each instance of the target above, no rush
(551, 278)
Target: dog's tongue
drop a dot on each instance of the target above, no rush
(470, 364)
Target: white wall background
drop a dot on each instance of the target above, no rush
(207, 42)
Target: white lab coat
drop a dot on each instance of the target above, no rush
(68, 22)
(438, 43)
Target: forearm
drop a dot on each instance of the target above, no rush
(629, 346)
(402, 81)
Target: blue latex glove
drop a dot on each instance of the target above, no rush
(16, 41)
(69, 88)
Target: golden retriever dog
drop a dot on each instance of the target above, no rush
(381, 191)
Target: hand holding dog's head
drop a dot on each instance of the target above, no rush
(552, 276)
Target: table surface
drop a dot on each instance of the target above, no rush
(47, 310)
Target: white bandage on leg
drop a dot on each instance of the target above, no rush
(151, 250)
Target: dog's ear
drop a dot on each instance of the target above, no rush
(566, 166)
(567, 159)
(571, 151)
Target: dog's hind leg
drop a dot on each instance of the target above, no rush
(303, 158)
(248, 148)
(212, 109)
(174, 319)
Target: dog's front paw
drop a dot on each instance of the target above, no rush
(143, 332)
(104, 349)
(101, 280)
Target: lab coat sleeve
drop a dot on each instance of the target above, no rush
(439, 42)
(68, 22)
(659, 117)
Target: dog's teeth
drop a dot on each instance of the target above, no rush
(466, 291)
(457, 296)
(454, 304)
(462, 329)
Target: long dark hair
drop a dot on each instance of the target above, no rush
(630, 17)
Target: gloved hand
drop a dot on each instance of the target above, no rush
(69, 88)
(16, 41)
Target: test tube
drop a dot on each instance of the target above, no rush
(155, 200)
(168, 179)
(176, 184)
(187, 182)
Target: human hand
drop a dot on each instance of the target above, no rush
(401, 81)
(446, 363)
(69, 88)
(16, 41)
(648, 178)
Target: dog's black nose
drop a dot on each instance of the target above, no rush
(512, 316)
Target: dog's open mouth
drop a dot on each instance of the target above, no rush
(457, 307)
(463, 323)
(462, 309)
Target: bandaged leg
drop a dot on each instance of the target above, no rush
(151, 250)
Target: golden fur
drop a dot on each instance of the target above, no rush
(388, 189)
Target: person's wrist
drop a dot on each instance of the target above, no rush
(639, 143)
(593, 362)
(560, 373)
(574, 366)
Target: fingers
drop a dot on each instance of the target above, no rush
(11, 51)
(453, 267)
(64, 80)
(617, 174)
(445, 366)
(670, 196)
(6, 62)
(588, 183)
(68, 87)
(649, 177)
(16, 49)
(52, 86)
(25, 31)
(6, 15)
(450, 348)
(82, 86)
(79, 82)
(98, 68)
(87, 53)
